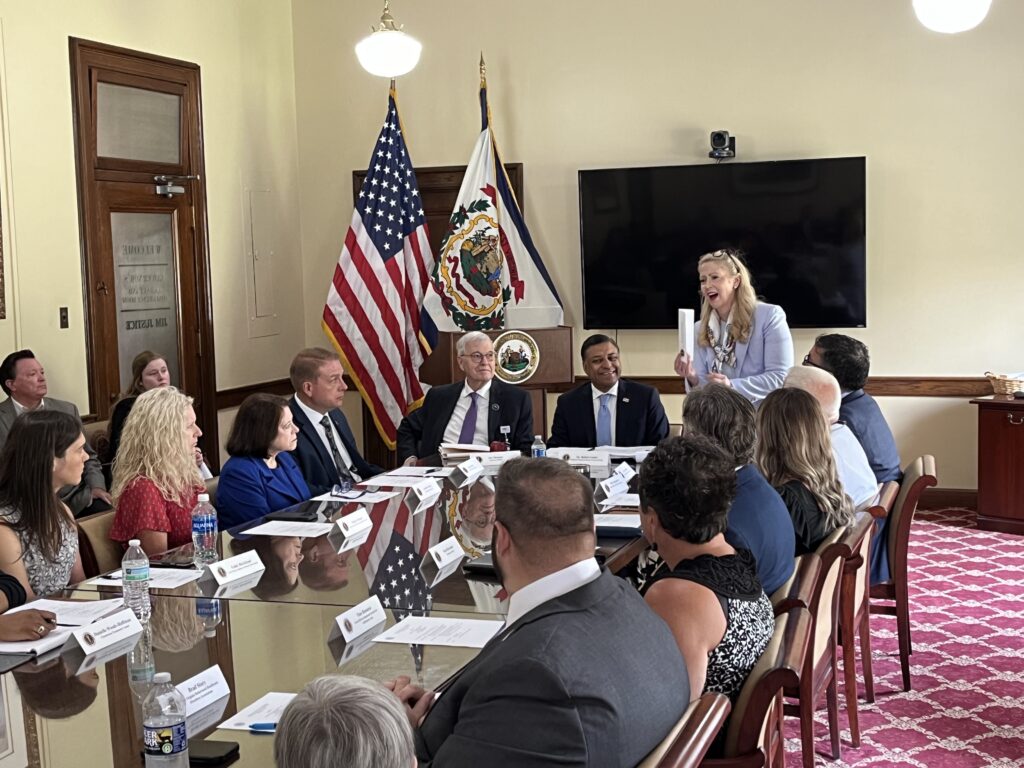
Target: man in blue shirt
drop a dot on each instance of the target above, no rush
(758, 518)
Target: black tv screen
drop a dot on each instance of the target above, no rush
(801, 224)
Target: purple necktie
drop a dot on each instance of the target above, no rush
(469, 423)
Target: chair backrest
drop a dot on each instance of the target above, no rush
(690, 739)
(918, 475)
(825, 602)
(886, 499)
(799, 588)
(675, 430)
(856, 569)
(755, 724)
(106, 553)
(211, 489)
(97, 434)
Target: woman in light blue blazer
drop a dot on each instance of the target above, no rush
(261, 476)
(741, 342)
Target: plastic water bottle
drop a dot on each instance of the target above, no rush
(538, 448)
(135, 580)
(204, 531)
(141, 666)
(163, 725)
(208, 609)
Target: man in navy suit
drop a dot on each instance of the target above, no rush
(326, 450)
(477, 411)
(608, 410)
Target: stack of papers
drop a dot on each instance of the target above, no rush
(456, 453)
(621, 501)
(617, 525)
(70, 615)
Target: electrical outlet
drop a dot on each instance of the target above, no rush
(63, 317)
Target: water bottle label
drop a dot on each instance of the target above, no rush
(204, 524)
(136, 573)
(538, 453)
(165, 739)
(207, 608)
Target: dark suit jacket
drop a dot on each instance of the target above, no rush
(591, 678)
(77, 497)
(249, 489)
(315, 460)
(861, 414)
(639, 417)
(421, 432)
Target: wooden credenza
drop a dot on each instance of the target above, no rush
(1000, 464)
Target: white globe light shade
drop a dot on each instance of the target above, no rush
(951, 16)
(388, 53)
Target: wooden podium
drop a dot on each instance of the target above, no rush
(554, 371)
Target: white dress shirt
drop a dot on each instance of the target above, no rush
(551, 586)
(853, 467)
(614, 392)
(20, 409)
(483, 405)
(315, 418)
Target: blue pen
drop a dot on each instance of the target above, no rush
(262, 727)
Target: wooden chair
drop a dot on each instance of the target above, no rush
(690, 739)
(920, 474)
(211, 489)
(104, 554)
(886, 499)
(675, 430)
(854, 614)
(753, 735)
(799, 588)
(819, 674)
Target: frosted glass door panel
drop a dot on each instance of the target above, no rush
(136, 124)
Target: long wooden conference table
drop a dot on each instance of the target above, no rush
(273, 633)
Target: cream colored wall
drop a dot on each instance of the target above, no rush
(244, 50)
(601, 84)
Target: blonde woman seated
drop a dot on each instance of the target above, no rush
(794, 453)
(709, 593)
(44, 452)
(156, 480)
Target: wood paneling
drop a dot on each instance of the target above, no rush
(928, 386)
(944, 498)
(232, 398)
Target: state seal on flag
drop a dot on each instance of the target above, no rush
(517, 356)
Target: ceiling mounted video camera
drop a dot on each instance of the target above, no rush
(722, 145)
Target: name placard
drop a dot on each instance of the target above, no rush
(93, 638)
(427, 493)
(232, 568)
(625, 471)
(343, 543)
(613, 486)
(493, 460)
(362, 618)
(354, 522)
(111, 652)
(203, 689)
(447, 552)
(465, 473)
(210, 588)
(597, 463)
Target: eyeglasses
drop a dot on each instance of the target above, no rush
(479, 357)
(811, 363)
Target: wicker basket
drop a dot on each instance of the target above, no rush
(1004, 385)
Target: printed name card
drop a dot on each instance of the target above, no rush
(111, 652)
(641, 456)
(493, 460)
(362, 618)
(465, 473)
(427, 492)
(93, 638)
(203, 689)
(625, 471)
(442, 560)
(355, 522)
(343, 543)
(597, 463)
(233, 568)
(613, 486)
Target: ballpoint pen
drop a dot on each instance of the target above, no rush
(262, 727)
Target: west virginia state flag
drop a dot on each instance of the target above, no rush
(489, 275)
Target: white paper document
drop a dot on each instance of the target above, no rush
(362, 496)
(627, 500)
(686, 331)
(621, 452)
(459, 447)
(420, 472)
(159, 578)
(391, 481)
(617, 521)
(432, 630)
(266, 709)
(38, 647)
(290, 528)
(74, 613)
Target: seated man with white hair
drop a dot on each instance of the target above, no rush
(479, 410)
(852, 464)
(342, 721)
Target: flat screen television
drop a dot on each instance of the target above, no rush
(801, 224)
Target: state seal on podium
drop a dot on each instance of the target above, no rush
(517, 357)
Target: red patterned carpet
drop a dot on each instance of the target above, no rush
(966, 707)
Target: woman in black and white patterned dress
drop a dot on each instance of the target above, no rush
(709, 593)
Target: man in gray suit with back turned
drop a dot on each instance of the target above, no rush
(583, 674)
(24, 382)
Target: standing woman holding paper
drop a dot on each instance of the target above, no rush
(741, 342)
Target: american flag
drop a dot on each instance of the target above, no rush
(391, 558)
(374, 311)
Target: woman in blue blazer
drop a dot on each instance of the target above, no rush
(741, 342)
(260, 477)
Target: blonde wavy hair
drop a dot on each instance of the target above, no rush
(153, 446)
(793, 443)
(731, 260)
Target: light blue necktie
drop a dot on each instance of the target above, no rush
(604, 422)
